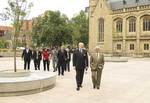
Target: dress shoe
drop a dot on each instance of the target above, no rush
(81, 86)
(94, 87)
(97, 87)
(78, 88)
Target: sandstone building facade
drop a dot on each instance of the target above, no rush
(120, 27)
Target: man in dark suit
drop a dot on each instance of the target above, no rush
(61, 61)
(37, 57)
(66, 56)
(80, 61)
(27, 55)
(68, 59)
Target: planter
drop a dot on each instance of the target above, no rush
(25, 82)
(116, 59)
(11, 73)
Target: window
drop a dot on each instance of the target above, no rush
(131, 46)
(101, 6)
(118, 46)
(1, 33)
(119, 26)
(146, 46)
(146, 24)
(132, 25)
(101, 30)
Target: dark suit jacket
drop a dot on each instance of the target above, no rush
(34, 55)
(27, 56)
(61, 57)
(68, 56)
(80, 60)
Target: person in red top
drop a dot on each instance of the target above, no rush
(45, 55)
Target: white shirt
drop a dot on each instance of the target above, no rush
(27, 50)
(98, 55)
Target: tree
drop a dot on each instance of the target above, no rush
(16, 11)
(80, 25)
(55, 29)
(51, 29)
(3, 44)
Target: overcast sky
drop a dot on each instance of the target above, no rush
(68, 7)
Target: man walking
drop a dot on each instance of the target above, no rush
(80, 61)
(61, 61)
(37, 56)
(96, 64)
(27, 55)
(68, 59)
(54, 58)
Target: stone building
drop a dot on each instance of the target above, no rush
(5, 34)
(120, 27)
(25, 33)
(26, 30)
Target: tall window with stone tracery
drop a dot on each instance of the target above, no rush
(132, 25)
(146, 23)
(119, 26)
(101, 30)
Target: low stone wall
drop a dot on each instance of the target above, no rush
(10, 54)
(36, 82)
(116, 59)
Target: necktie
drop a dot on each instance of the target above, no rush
(80, 50)
(98, 55)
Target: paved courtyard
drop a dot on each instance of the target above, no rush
(126, 82)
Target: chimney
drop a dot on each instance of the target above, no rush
(136, 1)
(124, 2)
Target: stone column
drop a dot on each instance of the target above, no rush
(138, 30)
(124, 37)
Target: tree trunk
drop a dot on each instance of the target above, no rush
(15, 67)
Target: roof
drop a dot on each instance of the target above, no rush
(5, 28)
(128, 3)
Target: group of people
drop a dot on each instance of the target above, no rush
(60, 58)
(61, 61)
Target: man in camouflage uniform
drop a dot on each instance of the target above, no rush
(96, 64)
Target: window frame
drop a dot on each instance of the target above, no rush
(118, 47)
(132, 25)
(132, 47)
(2, 33)
(101, 29)
(119, 26)
(146, 47)
(146, 23)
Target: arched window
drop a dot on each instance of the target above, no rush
(119, 26)
(101, 30)
(146, 23)
(132, 25)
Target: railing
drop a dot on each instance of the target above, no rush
(128, 37)
(144, 36)
(130, 9)
(117, 36)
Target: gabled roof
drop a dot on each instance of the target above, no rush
(128, 3)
